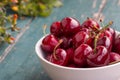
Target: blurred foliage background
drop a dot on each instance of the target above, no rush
(42, 8)
(31, 7)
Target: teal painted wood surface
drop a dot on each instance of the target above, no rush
(22, 62)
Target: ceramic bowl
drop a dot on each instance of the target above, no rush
(56, 72)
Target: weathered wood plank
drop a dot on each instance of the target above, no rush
(6, 48)
(22, 62)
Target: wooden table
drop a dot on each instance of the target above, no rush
(19, 60)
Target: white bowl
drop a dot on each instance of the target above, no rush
(56, 72)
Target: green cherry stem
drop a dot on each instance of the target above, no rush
(44, 29)
(97, 36)
(105, 27)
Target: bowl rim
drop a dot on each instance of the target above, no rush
(38, 50)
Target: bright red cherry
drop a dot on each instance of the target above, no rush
(114, 57)
(70, 26)
(60, 57)
(98, 58)
(91, 24)
(56, 28)
(79, 38)
(49, 43)
(80, 54)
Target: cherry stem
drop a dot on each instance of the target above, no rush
(96, 27)
(108, 25)
(97, 36)
(54, 53)
(95, 43)
(44, 29)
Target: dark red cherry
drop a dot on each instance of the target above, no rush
(56, 28)
(60, 57)
(70, 26)
(49, 43)
(114, 57)
(79, 38)
(116, 45)
(70, 52)
(80, 54)
(91, 24)
(98, 58)
(67, 42)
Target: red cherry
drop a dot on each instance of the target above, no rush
(49, 43)
(79, 38)
(114, 57)
(116, 45)
(98, 58)
(56, 28)
(61, 57)
(111, 30)
(85, 30)
(106, 33)
(70, 26)
(70, 52)
(67, 42)
(106, 42)
(80, 53)
(91, 24)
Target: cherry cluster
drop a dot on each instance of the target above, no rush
(72, 44)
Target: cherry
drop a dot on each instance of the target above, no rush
(114, 57)
(116, 45)
(49, 43)
(112, 31)
(80, 53)
(70, 52)
(85, 30)
(106, 33)
(91, 24)
(106, 42)
(79, 38)
(56, 28)
(67, 42)
(88, 45)
(60, 57)
(98, 58)
(70, 26)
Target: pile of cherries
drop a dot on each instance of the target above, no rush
(81, 46)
